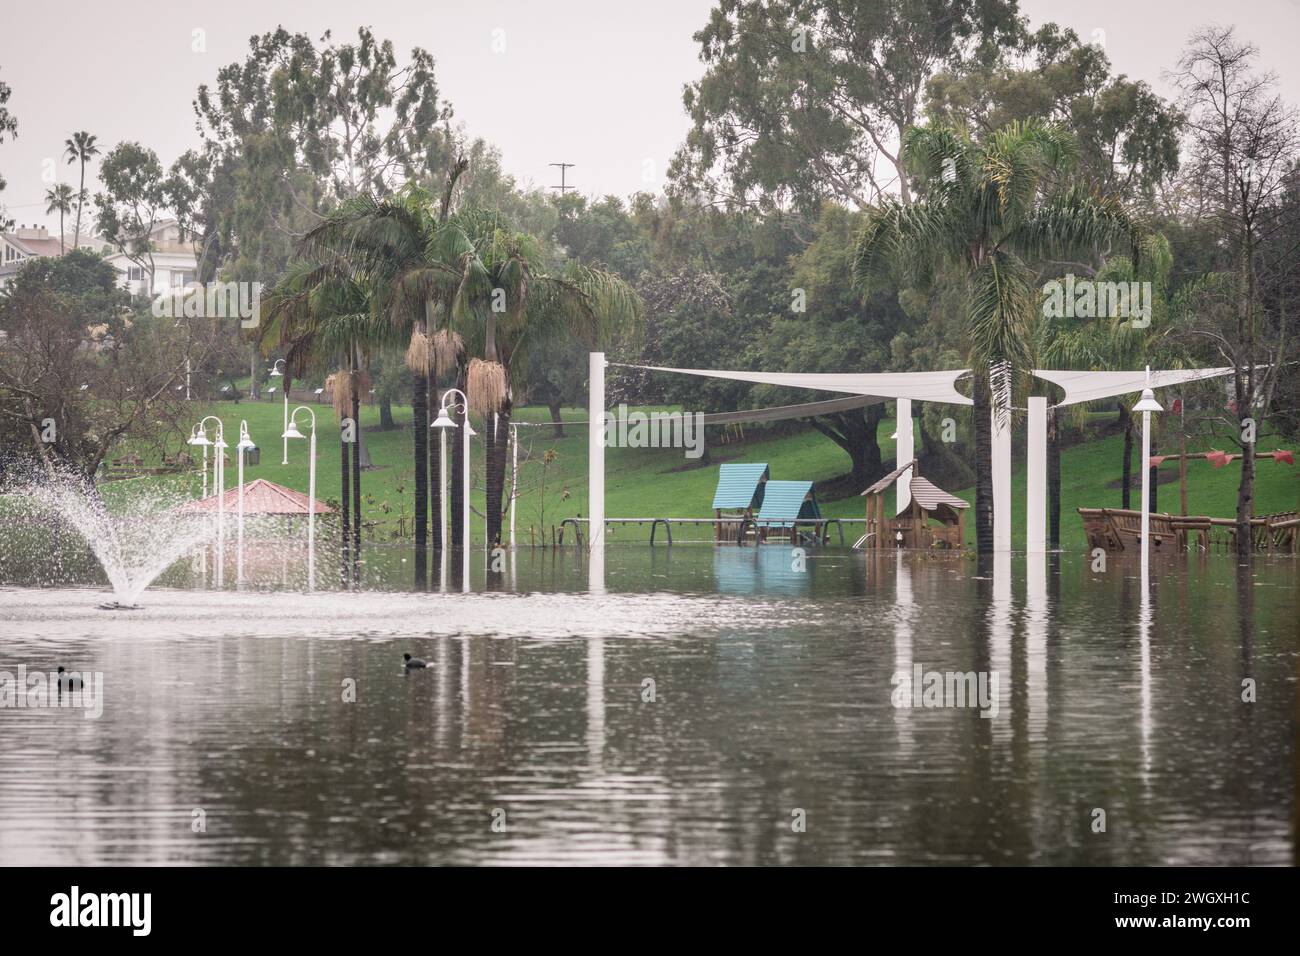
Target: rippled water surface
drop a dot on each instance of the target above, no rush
(771, 702)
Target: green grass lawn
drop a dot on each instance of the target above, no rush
(662, 483)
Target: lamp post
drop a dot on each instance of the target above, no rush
(1146, 405)
(284, 393)
(442, 423)
(245, 443)
(291, 431)
(200, 437)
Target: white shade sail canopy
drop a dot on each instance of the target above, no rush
(1090, 386)
(920, 386)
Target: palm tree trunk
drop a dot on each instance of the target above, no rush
(81, 198)
(420, 429)
(983, 466)
(1127, 472)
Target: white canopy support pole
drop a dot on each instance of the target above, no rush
(514, 478)
(1000, 410)
(1146, 499)
(1036, 480)
(596, 452)
(905, 452)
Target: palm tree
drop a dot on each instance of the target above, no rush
(59, 198)
(391, 241)
(321, 315)
(78, 149)
(1101, 345)
(503, 302)
(982, 208)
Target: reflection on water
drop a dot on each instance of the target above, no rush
(676, 706)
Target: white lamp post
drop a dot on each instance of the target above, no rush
(284, 393)
(442, 423)
(245, 443)
(1146, 405)
(291, 431)
(200, 437)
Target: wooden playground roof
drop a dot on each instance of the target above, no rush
(881, 486)
(784, 502)
(931, 497)
(739, 484)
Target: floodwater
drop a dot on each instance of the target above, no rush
(691, 705)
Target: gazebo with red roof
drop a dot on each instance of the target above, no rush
(261, 497)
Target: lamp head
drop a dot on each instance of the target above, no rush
(442, 421)
(292, 431)
(1148, 403)
(199, 436)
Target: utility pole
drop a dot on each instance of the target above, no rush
(563, 187)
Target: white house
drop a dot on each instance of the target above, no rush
(174, 261)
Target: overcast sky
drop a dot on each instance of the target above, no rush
(592, 82)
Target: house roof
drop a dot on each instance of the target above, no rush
(34, 247)
(739, 485)
(783, 502)
(261, 497)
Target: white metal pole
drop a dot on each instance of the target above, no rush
(905, 451)
(311, 511)
(285, 458)
(1001, 442)
(464, 519)
(1036, 479)
(514, 478)
(596, 451)
(442, 500)
(205, 471)
(1146, 495)
(239, 544)
(220, 469)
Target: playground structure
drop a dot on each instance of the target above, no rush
(740, 490)
(912, 527)
(786, 506)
